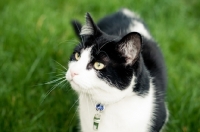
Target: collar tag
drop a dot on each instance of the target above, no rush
(97, 117)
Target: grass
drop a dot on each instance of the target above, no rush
(35, 35)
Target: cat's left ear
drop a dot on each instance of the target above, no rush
(130, 47)
(90, 28)
(77, 27)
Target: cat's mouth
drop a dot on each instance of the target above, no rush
(79, 88)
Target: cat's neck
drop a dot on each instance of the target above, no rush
(120, 114)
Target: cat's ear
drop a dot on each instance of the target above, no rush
(90, 28)
(77, 28)
(130, 47)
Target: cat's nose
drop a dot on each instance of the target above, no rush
(73, 73)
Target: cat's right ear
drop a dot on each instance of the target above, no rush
(77, 28)
(130, 47)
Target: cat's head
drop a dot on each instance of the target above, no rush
(104, 66)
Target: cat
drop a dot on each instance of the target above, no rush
(119, 74)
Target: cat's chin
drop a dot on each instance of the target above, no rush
(79, 89)
(105, 94)
(75, 86)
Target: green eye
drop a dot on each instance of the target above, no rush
(98, 65)
(77, 56)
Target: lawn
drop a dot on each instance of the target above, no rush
(36, 38)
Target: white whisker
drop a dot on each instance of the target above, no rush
(74, 42)
(55, 80)
(87, 104)
(90, 94)
(51, 82)
(61, 74)
(61, 65)
(60, 70)
(73, 105)
(72, 117)
(55, 72)
(69, 89)
(104, 53)
(80, 97)
(54, 87)
(63, 84)
(105, 44)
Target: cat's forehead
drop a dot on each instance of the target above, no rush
(101, 42)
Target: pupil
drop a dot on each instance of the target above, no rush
(77, 54)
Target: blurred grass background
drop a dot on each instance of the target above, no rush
(34, 33)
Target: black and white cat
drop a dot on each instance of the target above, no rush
(119, 74)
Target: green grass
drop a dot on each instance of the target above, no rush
(36, 33)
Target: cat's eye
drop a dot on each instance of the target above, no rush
(77, 56)
(98, 65)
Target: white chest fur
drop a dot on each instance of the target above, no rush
(131, 114)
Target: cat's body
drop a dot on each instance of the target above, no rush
(129, 77)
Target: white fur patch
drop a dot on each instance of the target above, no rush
(131, 113)
(137, 26)
(129, 13)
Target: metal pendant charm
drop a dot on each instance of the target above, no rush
(96, 121)
(97, 117)
(100, 107)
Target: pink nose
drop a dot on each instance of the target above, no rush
(73, 73)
